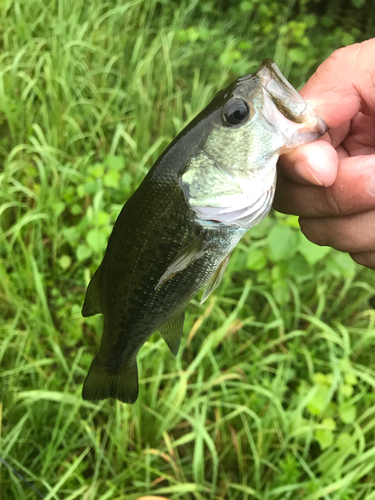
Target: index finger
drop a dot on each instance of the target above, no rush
(340, 88)
(343, 84)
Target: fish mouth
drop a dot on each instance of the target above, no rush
(286, 110)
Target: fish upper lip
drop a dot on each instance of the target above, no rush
(321, 125)
(301, 111)
(306, 127)
(313, 123)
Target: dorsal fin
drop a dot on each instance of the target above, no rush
(172, 332)
(91, 306)
(215, 279)
(187, 256)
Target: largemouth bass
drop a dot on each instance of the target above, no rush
(175, 234)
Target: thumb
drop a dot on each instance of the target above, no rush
(314, 163)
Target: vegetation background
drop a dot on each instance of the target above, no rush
(272, 394)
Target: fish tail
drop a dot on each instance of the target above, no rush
(102, 382)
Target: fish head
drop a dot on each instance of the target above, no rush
(254, 120)
(291, 115)
(262, 116)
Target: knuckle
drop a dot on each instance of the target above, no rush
(337, 54)
(331, 203)
(371, 223)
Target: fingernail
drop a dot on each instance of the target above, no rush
(302, 169)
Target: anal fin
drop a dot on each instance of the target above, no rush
(102, 383)
(172, 332)
(187, 256)
(91, 306)
(215, 279)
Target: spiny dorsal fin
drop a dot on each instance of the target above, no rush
(186, 257)
(215, 279)
(102, 383)
(172, 332)
(91, 305)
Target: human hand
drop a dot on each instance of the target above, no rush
(330, 183)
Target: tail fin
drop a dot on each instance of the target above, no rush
(102, 383)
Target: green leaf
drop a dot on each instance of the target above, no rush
(324, 438)
(96, 170)
(351, 379)
(103, 218)
(341, 264)
(111, 179)
(91, 187)
(329, 423)
(312, 253)
(227, 57)
(298, 268)
(347, 413)
(58, 208)
(264, 276)
(71, 234)
(344, 441)
(256, 260)
(292, 221)
(246, 6)
(261, 229)
(320, 378)
(347, 390)
(115, 162)
(277, 273)
(65, 261)
(281, 292)
(358, 4)
(127, 180)
(319, 400)
(83, 252)
(327, 21)
(96, 240)
(282, 242)
(76, 209)
(81, 191)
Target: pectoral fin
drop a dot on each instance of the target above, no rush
(91, 305)
(172, 332)
(187, 256)
(215, 279)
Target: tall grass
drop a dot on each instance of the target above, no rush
(272, 393)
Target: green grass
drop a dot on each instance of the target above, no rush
(272, 394)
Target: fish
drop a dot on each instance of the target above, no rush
(175, 234)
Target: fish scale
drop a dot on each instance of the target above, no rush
(175, 234)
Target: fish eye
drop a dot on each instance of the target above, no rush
(236, 112)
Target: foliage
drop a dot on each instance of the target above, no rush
(272, 393)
